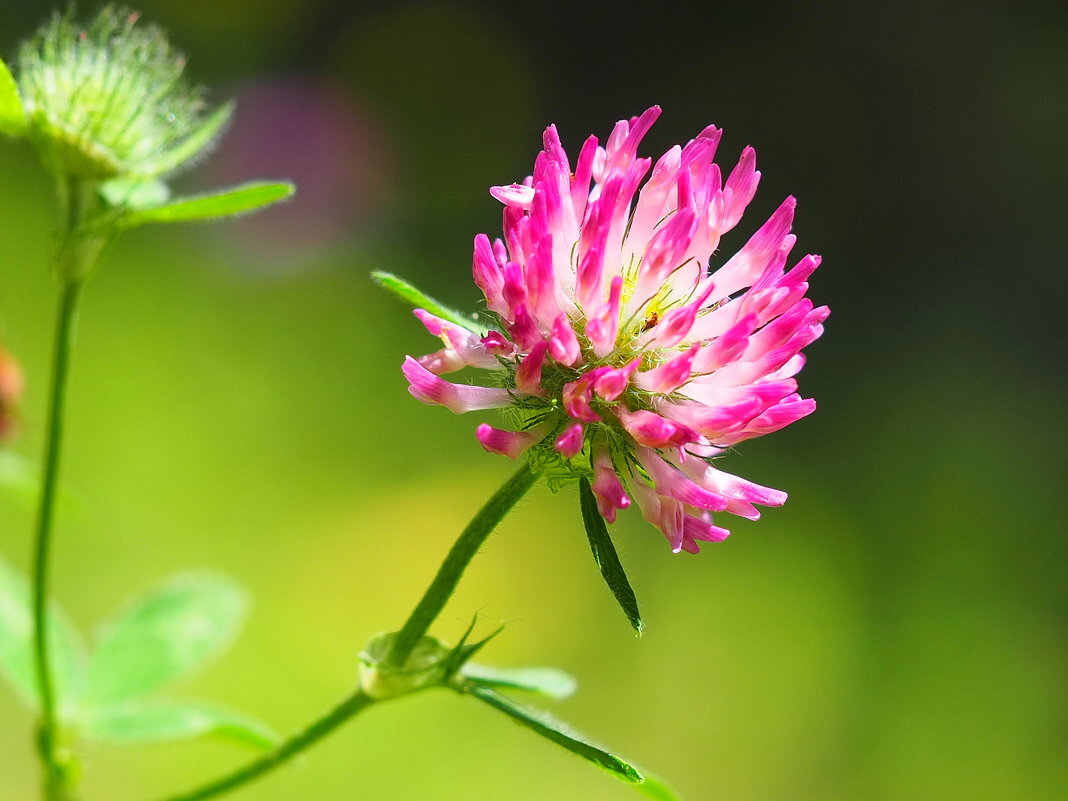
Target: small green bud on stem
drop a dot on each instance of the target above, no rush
(109, 98)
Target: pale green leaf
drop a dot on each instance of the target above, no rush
(194, 144)
(17, 649)
(655, 788)
(158, 721)
(420, 300)
(12, 114)
(133, 193)
(164, 635)
(604, 553)
(560, 733)
(224, 203)
(18, 477)
(549, 682)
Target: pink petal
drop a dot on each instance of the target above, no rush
(609, 383)
(606, 485)
(564, 345)
(654, 431)
(487, 274)
(778, 417)
(580, 183)
(524, 330)
(739, 190)
(674, 327)
(603, 326)
(576, 397)
(463, 348)
(748, 263)
(498, 344)
(458, 398)
(508, 443)
(670, 375)
(569, 443)
(670, 482)
(727, 347)
(694, 529)
(514, 195)
(528, 375)
(661, 511)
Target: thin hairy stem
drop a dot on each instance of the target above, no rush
(301, 741)
(460, 556)
(425, 613)
(55, 774)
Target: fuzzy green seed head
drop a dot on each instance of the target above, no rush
(109, 99)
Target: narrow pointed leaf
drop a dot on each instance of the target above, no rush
(455, 660)
(420, 300)
(604, 553)
(159, 721)
(16, 645)
(225, 203)
(12, 115)
(560, 733)
(549, 682)
(196, 143)
(462, 653)
(164, 635)
(135, 193)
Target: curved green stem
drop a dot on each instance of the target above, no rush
(77, 253)
(55, 777)
(460, 556)
(343, 712)
(433, 601)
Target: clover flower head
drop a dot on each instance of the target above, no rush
(109, 99)
(624, 348)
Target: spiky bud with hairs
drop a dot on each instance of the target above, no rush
(109, 111)
(109, 99)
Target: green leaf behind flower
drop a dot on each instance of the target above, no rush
(560, 733)
(158, 721)
(420, 300)
(224, 203)
(12, 114)
(604, 553)
(18, 477)
(163, 635)
(196, 143)
(16, 645)
(134, 193)
(654, 787)
(549, 682)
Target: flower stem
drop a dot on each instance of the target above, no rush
(422, 617)
(55, 773)
(77, 252)
(460, 556)
(341, 713)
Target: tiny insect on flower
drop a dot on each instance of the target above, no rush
(620, 350)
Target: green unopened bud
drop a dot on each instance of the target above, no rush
(109, 99)
(427, 666)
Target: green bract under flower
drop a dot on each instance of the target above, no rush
(109, 99)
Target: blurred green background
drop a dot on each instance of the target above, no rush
(896, 632)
